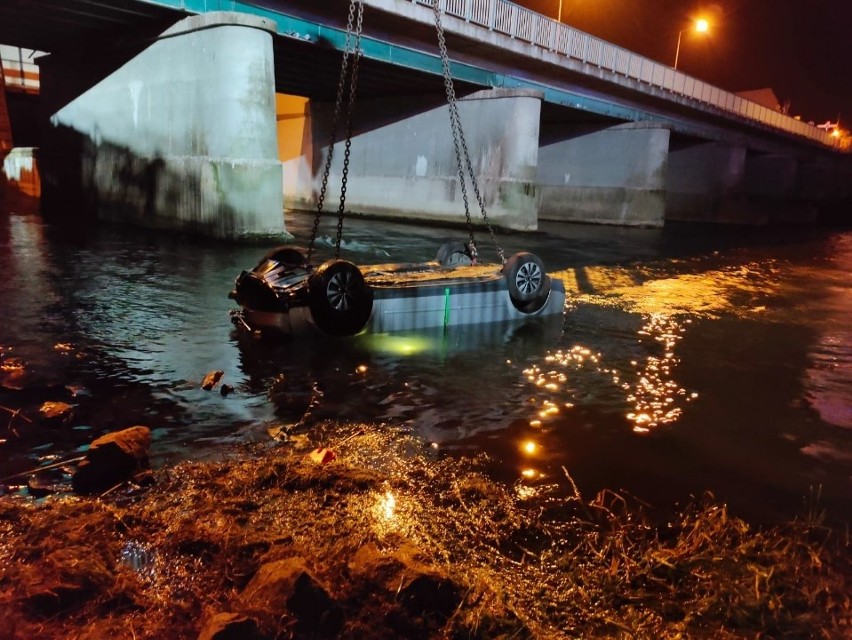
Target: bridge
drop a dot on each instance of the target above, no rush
(213, 115)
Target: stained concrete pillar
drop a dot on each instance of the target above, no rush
(402, 161)
(20, 171)
(5, 129)
(5, 122)
(706, 183)
(609, 176)
(838, 207)
(771, 182)
(181, 136)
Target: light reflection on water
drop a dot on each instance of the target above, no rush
(685, 361)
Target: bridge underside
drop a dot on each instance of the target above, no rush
(577, 149)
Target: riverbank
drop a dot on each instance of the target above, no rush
(377, 536)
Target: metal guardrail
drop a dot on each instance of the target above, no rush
(523, 24)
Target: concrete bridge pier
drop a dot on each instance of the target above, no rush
(816, 186)
(5, 129)
(608, 176)
(403, 162)
(180, 136)
(771, 185)
(706, 183)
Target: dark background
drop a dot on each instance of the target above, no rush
(802, 49)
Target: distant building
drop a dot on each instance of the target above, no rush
(765, 97)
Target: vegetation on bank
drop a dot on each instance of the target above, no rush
(380, 538)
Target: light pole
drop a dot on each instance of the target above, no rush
(559, 15)
(701, 26)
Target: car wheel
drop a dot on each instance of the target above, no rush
(525, 277)
(339, 299)
(286, 256)
(453, 254)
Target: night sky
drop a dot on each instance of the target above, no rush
(801, 49)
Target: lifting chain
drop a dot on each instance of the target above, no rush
(351, 47)
(460, 145)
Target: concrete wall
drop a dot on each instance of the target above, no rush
(5, 129)
(771, 186)
(5, 123)
(181, 136)
(295, 147)
(20, 171)
(402, 159)
(706, 183)
(609, 176)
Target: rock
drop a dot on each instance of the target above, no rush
(113, 458)
(288, 585)
(226, 389)
(56, 413)
(44, 483)
(13, 374)
(230, 626)
(211, 379)
(422, 592)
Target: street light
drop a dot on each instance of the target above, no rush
(559, 16)
(701, 26)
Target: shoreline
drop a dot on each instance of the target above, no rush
(381, 539)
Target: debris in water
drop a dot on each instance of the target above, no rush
(211, 379)
(56, 412)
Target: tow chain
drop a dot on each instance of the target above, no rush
(460, 145)
(353, 49)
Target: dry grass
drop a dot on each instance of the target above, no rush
(490, 562)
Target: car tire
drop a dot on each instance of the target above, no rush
(339, 299)
(287, 256)
(453, 254)
(525, 278)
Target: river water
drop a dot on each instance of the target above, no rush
(689, 359)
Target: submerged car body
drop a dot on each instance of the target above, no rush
(283, 294)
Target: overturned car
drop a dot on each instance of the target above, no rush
(283, 294)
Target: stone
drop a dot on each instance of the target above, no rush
(112, 459)
(289, 586)
(421, 591)
(230, 626)
(56, 413)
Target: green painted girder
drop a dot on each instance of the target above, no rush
(380, 51)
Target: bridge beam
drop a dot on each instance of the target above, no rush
(614, 175)
(181, 136)
(403, 163)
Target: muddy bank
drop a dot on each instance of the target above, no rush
(375, 538)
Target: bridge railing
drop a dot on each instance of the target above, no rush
(521, 23)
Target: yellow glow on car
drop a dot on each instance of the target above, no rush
(399, 345)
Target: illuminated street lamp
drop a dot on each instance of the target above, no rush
(701, 26)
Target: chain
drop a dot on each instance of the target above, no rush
(459, 140)
(341, 86)
(353, 84)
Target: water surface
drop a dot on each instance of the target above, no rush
(688, 359)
